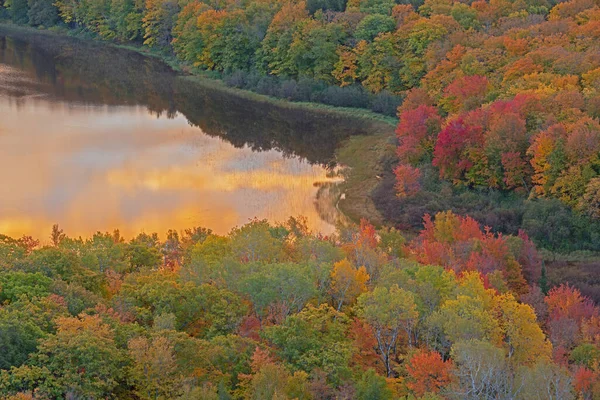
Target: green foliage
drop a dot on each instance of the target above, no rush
(586, 354)
(376, 6)
(277, 290)
(465, 16)
(18, 11)
(333, 5)
(373, 387)
(54, 263)
(19, 336)
(42, 12)
(80, 344)
(158, 22)
(10, 251)
(255, 242)
(372, 25)
(200, 310)
(14, 284)
(230, 323)
(207, 258)
(557, 228)
(315, 339)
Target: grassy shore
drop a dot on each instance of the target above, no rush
(363, 157)
(360, 156)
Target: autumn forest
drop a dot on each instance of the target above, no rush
(471, 274)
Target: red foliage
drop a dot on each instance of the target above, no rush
(417, 132)
(450, 148)
(466, 93)
(364, 341)
(407, 180)
(250, 328)
(367, 235)
(584, 141)
(428, 372)
(415, 98)
(515, 170)
(584, 380)
(458, 243)
(560, 355)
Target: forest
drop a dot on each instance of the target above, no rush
(499, 118)
(277, 312)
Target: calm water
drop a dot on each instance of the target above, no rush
(95, 138)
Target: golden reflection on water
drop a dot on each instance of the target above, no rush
(99, 168)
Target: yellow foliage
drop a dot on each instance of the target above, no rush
(523, 337)
(347, 282)
(346, 69)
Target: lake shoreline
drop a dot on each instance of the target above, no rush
(203, 78)
(360, 155)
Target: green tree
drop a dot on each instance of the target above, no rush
(314, 339)
(14, 284)
(42, 12)
(372, 25)
(127, 19)
(254, 242)
(80, 360)
(312, 51)
(142, 252)
(207, 259)
(277, 290)
(20, 333)
(18, 10)
(390, 312)
(373, 387)
(54, 262)
(200, 310)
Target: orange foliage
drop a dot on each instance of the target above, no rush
(428, 373)
(260, 358)
(565, 301)
(365, 343)
(458, 243)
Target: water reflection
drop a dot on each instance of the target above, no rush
(95, 138)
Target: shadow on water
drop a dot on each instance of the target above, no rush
(88, 73)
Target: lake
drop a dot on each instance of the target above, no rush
(95, 138)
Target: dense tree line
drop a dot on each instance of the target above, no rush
(275, 312)
(508, 101)
(284, 50)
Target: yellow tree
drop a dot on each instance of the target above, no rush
(346, 69)
(523, 336)
(347, 282)
(541, 152)
(470, 315)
